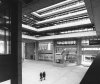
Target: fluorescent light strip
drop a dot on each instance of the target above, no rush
(71, 35)
(29, 37)
(91, 49)
(60, 10)
(70, 24)
(61, 17)
(29, 27)
(56, 5)
(36, 14)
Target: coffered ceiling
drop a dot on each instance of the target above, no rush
(55, 17)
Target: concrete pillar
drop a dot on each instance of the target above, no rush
(16, 40)
(93, 8)
(79, 57)
(54, 49)
(23, 51)
(36, 50)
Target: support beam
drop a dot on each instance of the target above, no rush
(93, 8)
(16, 40)
(54, 49)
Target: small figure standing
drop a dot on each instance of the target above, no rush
(44, 75)
(41, 76)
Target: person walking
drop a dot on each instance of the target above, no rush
(44, 75)
(41, 76)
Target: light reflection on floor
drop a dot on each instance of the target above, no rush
(6, 82)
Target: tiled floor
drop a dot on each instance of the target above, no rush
(70, 74)
(54, 75)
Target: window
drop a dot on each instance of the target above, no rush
(5, 45)
(1, 47)
(4, 42)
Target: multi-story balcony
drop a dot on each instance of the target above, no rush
(57, 6)
(79, 8)
(69, 7)
(68, 35)
(75, 13)
(62, 16)
(65, 21)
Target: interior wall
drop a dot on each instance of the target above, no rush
(30, 51)
(93, 8)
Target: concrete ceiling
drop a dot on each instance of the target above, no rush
(39, 4)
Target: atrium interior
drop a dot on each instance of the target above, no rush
(60, 37)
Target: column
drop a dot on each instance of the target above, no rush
(16, 40)
(79, 57)
(23, 51)
(93, 8)
(54, 49)
(36, 50)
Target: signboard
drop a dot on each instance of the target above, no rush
(94, 42)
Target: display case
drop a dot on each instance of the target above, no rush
(45, 51)
(71, 51)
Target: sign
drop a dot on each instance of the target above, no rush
(94, 42)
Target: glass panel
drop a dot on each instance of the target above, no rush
(5, 30)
